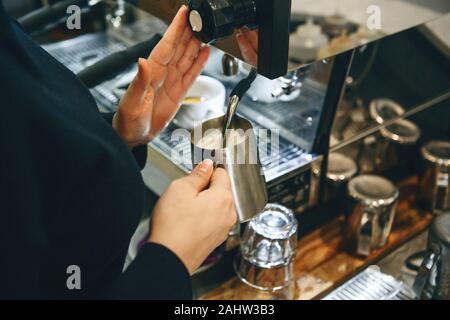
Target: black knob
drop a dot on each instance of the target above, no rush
(212, 20)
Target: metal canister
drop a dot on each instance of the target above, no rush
(241, 161)
(383, 109)
(433, 278)
(230, 65)
(396, 141)
(435, 181)
(371, 213)
(339, 172)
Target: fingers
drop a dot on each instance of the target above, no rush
(248, 52)
(187, 36)
(196, 67)
(169, 95)
(201, 176)
(137, 93)
(252, 37)
(166, 48)
(189, 55)
(164, 110)
(220, 180)
(143, 77)
(176, 28)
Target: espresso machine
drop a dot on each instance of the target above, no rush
(331, 62)
(312, 57)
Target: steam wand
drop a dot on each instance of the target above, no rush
(235, 97)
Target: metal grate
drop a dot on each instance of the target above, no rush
(371, 284)
(286, 152)
(81, 52)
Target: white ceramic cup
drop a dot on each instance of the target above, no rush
(262, 87)
(213, 92)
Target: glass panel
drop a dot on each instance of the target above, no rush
(385, 85)
(322, 28)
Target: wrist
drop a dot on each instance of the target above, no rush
(116, 126)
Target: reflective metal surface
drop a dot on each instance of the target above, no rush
(359, 22)
(376, 97)
(369, 221)
(435, 180)
(394, 144)
(339, 172)
(433, 279)
(402, 132)
(383, 109)
(240, 159)
(318, 28)
(340, 168)
(371, 284)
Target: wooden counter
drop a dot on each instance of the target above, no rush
(322, 262)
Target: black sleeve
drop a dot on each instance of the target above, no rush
(140, 153)
(156, 273)
(71, 192)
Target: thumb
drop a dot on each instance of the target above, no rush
(201, 175)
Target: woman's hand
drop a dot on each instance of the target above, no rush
(194, 215)
(248, 45)
(163, 79)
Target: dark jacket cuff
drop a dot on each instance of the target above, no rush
(140, 152)
(157, 273)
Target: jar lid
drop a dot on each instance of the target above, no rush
(340, 168)
(275, 222)
(372, 190)
(440, 227)
(437, 152)
(402, 132)
(384, 109)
